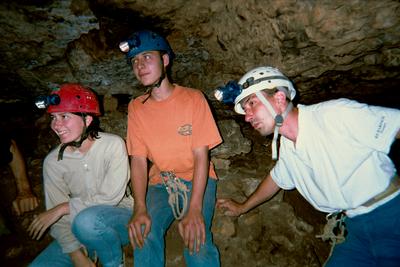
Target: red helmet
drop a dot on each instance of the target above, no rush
(75, 98)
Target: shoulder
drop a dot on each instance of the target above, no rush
(51, 162)
(190, 92)
(52, 156)
(335, 107)
(110, 138)
(136, 102)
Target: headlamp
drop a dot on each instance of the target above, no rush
(132, 43)
(228, 93)
(124, 47)
(45, 101)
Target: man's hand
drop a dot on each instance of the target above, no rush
(24, 202)
(192, 230)
(138, 228)
(44, 220)
(230, 207)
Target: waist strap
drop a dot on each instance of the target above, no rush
(394, 186)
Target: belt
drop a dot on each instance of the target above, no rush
(393, 187)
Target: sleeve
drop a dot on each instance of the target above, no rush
(205, 130)
(280, 173)
(135, 144)
(372, 126)
(110, 178)
(56, 192)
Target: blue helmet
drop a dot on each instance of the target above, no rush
(142, 41)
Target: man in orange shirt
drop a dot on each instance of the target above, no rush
(171, 127)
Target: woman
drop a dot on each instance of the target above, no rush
(85, 180)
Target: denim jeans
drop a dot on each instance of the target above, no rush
(152, 253)
(373, 239)
(52, 256)
(101, 229)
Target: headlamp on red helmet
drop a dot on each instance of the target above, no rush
(44, 101)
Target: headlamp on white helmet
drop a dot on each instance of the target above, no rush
(253, 82)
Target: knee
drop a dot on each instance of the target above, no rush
(84, 221)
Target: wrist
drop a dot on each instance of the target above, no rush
(138, 208)
(24, 191)
(196, 207)
(244, 208)
(63, 209)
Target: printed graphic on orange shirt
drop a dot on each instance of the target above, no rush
(185, 129)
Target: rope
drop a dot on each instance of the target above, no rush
(334, 231)
(176, 189)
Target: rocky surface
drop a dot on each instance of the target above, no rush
(329, 49)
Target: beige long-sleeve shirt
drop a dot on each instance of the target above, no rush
(99, 176)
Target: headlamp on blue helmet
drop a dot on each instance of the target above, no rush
(142, 41)
(228, 93)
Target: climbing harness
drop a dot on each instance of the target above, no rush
(176, 190)
(335, 230)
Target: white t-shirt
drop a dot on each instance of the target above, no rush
(340, 157)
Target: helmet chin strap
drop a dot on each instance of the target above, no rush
(158, 83)
(279, 118)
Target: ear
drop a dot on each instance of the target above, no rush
(165, 59)
(88, 120)
(280, 100)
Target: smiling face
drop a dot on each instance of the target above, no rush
(258, 115)
(148, 67)
(68, 126)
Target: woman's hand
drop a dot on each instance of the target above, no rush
(44, 220)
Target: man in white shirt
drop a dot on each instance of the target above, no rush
(335, 154)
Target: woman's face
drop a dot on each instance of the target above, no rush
(68, 126)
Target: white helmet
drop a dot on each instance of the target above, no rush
(262, 78)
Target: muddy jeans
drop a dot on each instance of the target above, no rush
(373, 239)
(100, 228)
(152, 254)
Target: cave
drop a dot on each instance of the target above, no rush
(329, 50)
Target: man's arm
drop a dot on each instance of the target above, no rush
(265, 190)
(398, 135)
(140, 217)
(192, 227)
(25, 200)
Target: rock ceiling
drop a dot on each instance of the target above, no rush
(329, 48)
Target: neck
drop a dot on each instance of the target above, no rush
(163, 92)
(290, 126)
(85, 146)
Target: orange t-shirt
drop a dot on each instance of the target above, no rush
(166, 132)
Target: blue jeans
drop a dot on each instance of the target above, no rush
(101, 229)
(52, 256)
(152, 253)
(373, 239)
